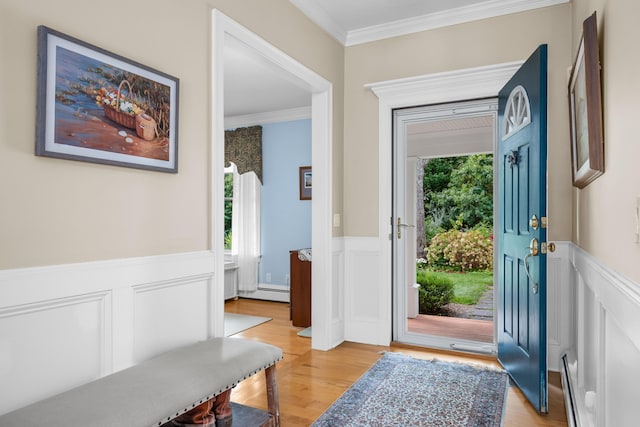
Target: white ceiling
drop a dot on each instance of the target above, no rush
(257, 92)
(255, 89)
(357, 14)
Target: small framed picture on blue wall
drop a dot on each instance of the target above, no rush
(305, 182)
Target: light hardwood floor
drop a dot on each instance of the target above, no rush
(309, 381)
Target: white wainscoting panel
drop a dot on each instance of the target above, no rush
(51, 346)
(65, 325)
(559, 305)
(168, 315)
(367, 295)
(603, 364)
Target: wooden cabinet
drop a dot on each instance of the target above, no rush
(300, 291)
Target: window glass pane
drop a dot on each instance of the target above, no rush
(228, 211)
(228, 208)
(228, 185)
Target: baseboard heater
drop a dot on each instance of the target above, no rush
(567, 391)
(268, 292)
(272, 288)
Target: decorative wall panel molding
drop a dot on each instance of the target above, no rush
(601, 368)
(367, 309)
(91, 319)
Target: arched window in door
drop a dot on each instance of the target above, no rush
(517, 112)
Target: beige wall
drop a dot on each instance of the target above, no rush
(492, 41)
(605, 211)
(56, 211)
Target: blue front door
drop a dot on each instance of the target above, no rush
(522, 263)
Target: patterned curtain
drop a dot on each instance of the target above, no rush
(243, 147)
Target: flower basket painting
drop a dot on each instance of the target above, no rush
(119, 109)
(99, 107)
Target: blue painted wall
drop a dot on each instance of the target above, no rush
(285, 219)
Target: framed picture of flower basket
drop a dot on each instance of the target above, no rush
(585, 109)
(96, 106)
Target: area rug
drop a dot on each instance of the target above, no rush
(234, 323)
(305, 332)
(402, 391)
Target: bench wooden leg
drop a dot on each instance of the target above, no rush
(272, 396)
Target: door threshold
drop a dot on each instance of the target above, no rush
(491, 356)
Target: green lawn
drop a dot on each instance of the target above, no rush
(468, 287)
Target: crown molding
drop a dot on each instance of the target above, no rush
(488, 9)
(484, 10)
(322, 19)
(288, 115)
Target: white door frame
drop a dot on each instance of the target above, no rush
(406, 207)
(324, 335)
(453, 86)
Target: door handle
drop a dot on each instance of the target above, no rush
(401, 226)
(533, 251)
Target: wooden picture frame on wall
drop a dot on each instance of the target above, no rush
(585, 109)
(305, 177)
(96, 106)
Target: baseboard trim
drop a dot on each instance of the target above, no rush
(567, 391)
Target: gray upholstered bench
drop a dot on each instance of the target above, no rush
(158, 390)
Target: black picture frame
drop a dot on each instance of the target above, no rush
(306, 182)
(585, 109)
(96, 106)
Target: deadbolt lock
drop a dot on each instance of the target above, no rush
(536, 222)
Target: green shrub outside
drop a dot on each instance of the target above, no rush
(464, 250)
(434, 293)
(435, 251)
